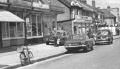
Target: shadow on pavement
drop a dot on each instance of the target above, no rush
(3, 66)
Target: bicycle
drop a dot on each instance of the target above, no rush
(25, 56)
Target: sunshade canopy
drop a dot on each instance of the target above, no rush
(6, 16)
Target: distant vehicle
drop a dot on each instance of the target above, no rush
(79, 41)
(104, 36)
(58, 38)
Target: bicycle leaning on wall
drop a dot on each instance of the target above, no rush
(25, 55)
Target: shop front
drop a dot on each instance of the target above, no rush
(81, 25)
(11, 29)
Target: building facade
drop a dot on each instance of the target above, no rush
(109, 18)
(80, 15)
(39, 18)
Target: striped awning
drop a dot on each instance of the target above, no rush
(6, 16)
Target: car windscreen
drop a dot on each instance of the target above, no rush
(103, 32)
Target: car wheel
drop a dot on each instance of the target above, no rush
(88, 48)
(111, 42)
(62, 43)
(70, 50)
(47, 43)
(92, 48)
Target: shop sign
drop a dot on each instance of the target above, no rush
(75, 3)
(40, 5)
(83, 19)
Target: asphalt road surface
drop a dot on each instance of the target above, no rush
(102, 57)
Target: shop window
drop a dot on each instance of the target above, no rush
(29, 27)
(34, 28)
(75, 30)
(19, 29)
(12, 29)
(53, 25)
(5, 30)
(39, 25)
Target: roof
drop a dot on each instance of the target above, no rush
(107, 13)
(84, 6)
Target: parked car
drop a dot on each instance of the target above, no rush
(76, 42)
(58, 38)
(104, 36)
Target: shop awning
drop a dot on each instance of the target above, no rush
(6, 16)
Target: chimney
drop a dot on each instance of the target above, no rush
(93, 3)
(83, 1)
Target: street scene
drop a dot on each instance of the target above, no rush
(59, 34)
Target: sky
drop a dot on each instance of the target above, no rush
(105, 3)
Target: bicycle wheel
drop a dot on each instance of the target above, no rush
(22, 58)
(30, 54)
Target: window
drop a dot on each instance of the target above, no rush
(12, 29)
(19, 29)
(29, 27)
(39, 25)
(5, 30)
(34, 26)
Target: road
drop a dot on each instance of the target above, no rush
(102, 57)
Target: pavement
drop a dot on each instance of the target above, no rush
(9, 57)
(11, 60)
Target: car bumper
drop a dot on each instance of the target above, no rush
(75, 47)
(102, 41)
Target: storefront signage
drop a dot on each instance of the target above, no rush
(75, 3)
(40, 5)
(83, 19)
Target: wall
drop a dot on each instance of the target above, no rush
(67, 26)
(60, 17)
(115, 12)
(12, 42)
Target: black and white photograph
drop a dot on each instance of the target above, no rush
(59, 34)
